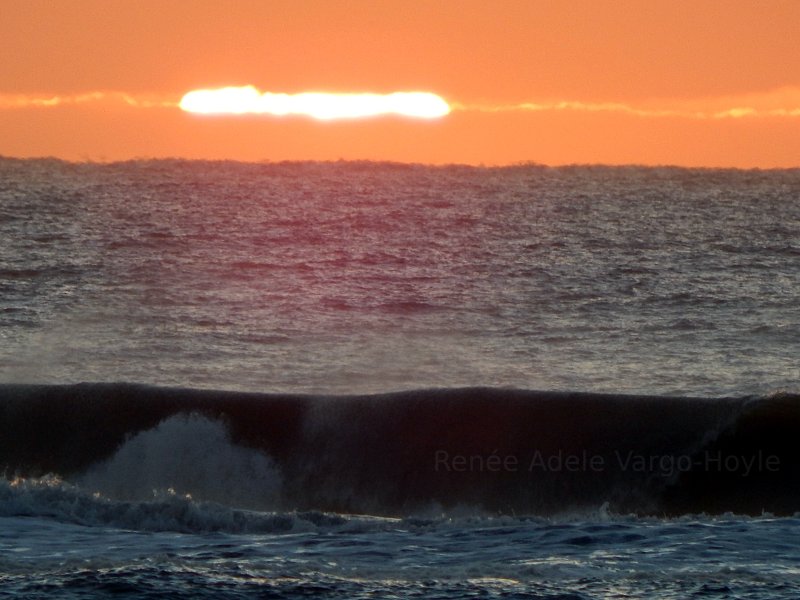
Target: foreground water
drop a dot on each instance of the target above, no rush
(453, 558)
(318, 282)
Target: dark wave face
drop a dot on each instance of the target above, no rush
(498, 451)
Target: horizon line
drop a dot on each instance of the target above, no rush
(481, 165)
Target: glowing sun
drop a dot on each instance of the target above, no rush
(318, 105)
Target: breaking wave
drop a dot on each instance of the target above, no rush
(180, 459)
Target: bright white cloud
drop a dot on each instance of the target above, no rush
(318, 105)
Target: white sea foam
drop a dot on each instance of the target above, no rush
(50, 497)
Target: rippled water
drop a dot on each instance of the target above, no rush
(351, 277)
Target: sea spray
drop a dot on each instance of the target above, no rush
(187, 455)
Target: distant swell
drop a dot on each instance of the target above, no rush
(496, 451)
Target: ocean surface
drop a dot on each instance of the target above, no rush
(379, 380)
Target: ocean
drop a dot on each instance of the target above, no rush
(377, 380)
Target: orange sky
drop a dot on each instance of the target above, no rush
(701, 83)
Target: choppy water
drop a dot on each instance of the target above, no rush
(352, 278)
